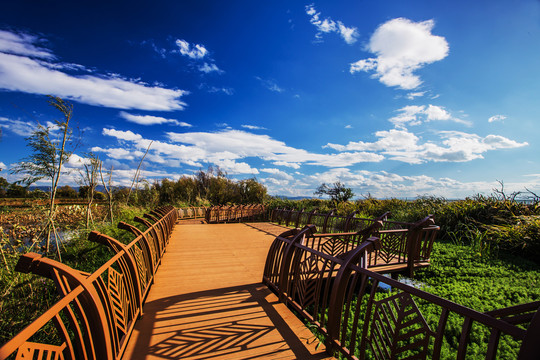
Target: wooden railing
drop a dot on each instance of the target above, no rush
(96, 313)
(362, 314)
(235, 213)
(404, 246)
(192, 212)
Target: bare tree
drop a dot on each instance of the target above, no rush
(49, 153)
(89, 179)
(108, 189)
(135, 180)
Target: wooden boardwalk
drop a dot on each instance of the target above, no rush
(208, 302)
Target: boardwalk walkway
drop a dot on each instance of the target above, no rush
(207, 301)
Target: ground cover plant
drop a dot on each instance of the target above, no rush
(25, 296)
(485, 257)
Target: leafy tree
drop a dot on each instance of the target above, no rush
(338, 192)
(17, 191)
(3, 186)
(48, 154)
(66, 192)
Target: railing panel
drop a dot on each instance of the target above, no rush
(96, 312)
(373, 316)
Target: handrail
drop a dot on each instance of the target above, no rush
(191, 212)
(96, 312)
(341, 298)
(404, 246)
(235, 213)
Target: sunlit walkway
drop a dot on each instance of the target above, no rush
(208, 303)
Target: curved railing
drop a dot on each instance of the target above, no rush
(96, 312)
(192, 212)
(362, 314)
(235, 213)
(404, 246)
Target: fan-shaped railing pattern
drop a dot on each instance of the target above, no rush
(235, 213)
(404, 246)
(96, 312)
(362, 314)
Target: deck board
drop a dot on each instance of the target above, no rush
(208, 302)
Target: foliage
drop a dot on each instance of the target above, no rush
(338, 192)
(66, 192)
(23, 297)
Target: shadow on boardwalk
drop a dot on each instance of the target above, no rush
(206, 302)
(242, 322)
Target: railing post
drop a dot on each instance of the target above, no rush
(298, 215)
(287, 258)
(91, 305)
(348, 221)
(310, 216)
(413, 237)
(324, 230)
(117, 247)
(530, 347)
(339, 289)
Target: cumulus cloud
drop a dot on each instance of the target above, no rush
(453, 146)
(196, 51)
(27, 68)
(401, 47)
(122, 135)
(349, 34)
(495, 118)
(21, 128)
(418, 114)
(151, 120)
(242, 144)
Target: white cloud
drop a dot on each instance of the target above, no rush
(2, 166)
(270, 85)
(22, 44)
(287, 164)
(278, 174)
(196, 51)
(418, 114)
(453, 146)
(21, 128)
(208, 68)
(349, 34)
(414, 95)
(122, 135)
(495, 118)
(253, 127)
(19, 71)
(151, 120)
(233, 167)
(348, 127)
(402, 47)
(243, 144)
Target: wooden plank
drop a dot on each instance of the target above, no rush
(207, 301)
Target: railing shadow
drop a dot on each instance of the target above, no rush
(241, 322)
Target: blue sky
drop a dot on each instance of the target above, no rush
(392, 98)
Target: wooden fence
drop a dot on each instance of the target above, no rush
(192, 212)
(404, 246)
(363, 314)
(235, 213)
(96, 313)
